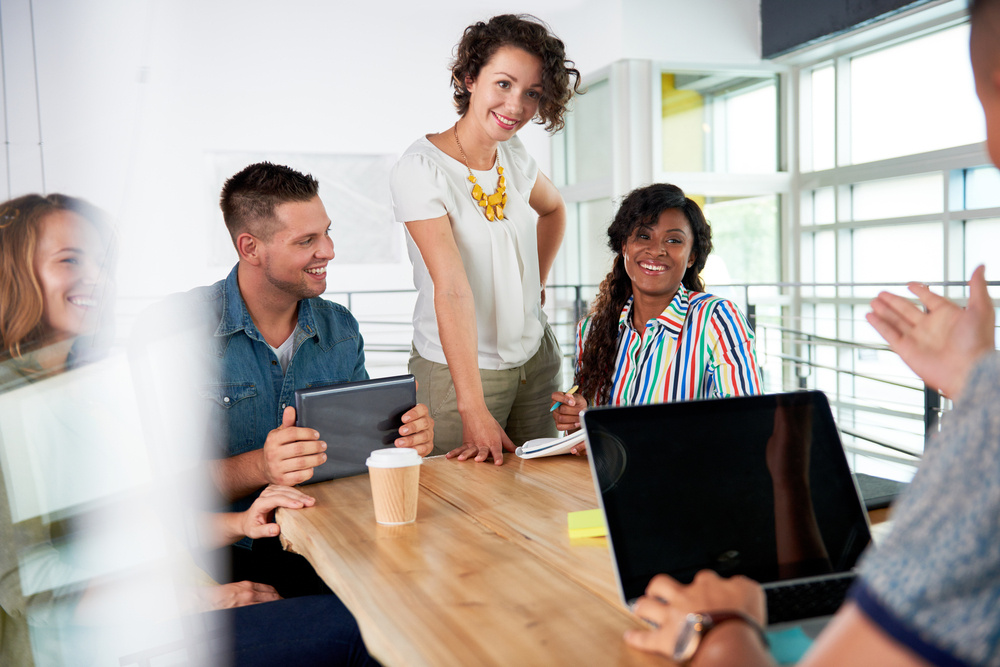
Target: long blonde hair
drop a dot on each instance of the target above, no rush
(22, 303)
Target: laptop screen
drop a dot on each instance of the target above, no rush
(754, 485)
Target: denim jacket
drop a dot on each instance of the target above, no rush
(249, 392)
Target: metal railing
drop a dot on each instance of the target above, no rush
(883, 410)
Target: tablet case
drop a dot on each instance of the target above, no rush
(353, 419)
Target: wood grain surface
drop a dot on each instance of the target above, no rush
(487, 575)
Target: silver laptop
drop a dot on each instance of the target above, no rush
(755, 485)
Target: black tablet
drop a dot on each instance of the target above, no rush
(353, 419)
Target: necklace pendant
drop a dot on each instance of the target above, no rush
(472, 179)
(477, 192)
(489, 213)
(499, 212)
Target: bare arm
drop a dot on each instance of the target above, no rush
(548, 204)
(455, 309)
(222, 528)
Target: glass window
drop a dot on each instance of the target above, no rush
(825, 258)
(751, 131)
(982, 187)
(914, 97)
(744, 239)
(824, 208)
(982, 238)
(897, 253)
(588, 135)
(824, 106)
(898, 197)
(719, 122)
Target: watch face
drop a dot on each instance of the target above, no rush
(688, 639)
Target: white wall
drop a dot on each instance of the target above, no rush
(135, 97)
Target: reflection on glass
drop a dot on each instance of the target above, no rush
(898, 197)
(588, 135)
(914, 97)
(824, 109)
(719, 122)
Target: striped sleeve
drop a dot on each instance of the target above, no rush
(581, 337)
(731, 346)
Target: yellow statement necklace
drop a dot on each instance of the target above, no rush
(492, 204)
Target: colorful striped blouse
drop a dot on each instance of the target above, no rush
(701, 346)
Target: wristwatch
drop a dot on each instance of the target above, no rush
(696, 626)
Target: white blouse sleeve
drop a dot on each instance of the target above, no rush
(524, 167)
(419, 189)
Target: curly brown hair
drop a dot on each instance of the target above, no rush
(481, 40)
(22, 302)
(640, 209)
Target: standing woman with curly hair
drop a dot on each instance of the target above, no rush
(653, 334)
(483, 228)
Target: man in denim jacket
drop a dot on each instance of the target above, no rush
(273, 335)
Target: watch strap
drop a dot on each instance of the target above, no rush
(697, 625)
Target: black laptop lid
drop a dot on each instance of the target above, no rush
(688, 486)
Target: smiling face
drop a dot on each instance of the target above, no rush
(67, 263)
(294, 260)
(505, 95)
(656, 257)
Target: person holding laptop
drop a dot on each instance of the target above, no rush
(930, 594)
(653, 334)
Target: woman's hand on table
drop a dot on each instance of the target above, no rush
(417, 430)
(667, 603)
(258, 521)
(482, 437)
(238, 594)
(567, 415)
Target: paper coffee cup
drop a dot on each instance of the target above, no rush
(395, 477)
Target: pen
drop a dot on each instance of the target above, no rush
(557, 403)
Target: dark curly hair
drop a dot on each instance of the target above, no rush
(640, 209)
(525, 32)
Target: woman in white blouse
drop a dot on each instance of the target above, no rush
(483, 229)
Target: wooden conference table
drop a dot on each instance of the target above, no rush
(486, 576)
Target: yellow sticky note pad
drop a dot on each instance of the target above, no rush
(588, 523)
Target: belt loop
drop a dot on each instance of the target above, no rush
(524, 377)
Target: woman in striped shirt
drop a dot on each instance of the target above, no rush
(653, 333)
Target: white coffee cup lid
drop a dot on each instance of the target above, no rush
(393, 457)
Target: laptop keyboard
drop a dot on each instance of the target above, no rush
(792, 602)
